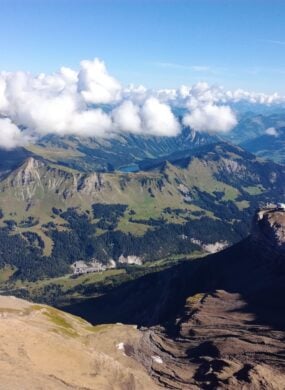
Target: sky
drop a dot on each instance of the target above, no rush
(157, 43)
(99, 68)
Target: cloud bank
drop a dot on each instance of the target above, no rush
(89, 102)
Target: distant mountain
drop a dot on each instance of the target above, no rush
(252, 125)
(214, 323)
(261, 134)
(200, 201)
(120, 152)
(11, 159)
(268, 146)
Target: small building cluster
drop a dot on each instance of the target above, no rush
(80, 267)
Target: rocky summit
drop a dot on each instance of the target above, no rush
(269, 227)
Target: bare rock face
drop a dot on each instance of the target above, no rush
(268, 228)
(219, 345)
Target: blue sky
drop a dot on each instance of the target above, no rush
(159, 43)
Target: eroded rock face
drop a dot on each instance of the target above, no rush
(219, 345)
(268, 228)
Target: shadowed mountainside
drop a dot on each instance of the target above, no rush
(214, 323)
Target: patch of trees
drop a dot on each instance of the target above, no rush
(28, 222)
(80, 241)
(108, 215)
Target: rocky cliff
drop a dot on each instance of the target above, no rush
(268, 228)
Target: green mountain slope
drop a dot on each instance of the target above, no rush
(119, 152)
(198, 202)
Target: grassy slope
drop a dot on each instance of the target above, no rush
(35, 188)
(18, 202)
(65, 289)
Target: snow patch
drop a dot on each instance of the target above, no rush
(121, 347)
(157, 359)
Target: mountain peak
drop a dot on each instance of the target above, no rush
(32, 163)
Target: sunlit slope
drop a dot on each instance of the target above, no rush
(44, 348)
(37, 186)
(172, 207)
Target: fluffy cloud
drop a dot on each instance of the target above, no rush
(158, 118)
(211, 118)
(127, 117)
(152, 118)
(10, 135)
(91, 102)
(68, 102)
(203, 92)
(95, 84)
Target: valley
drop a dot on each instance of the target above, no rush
(142, 195)
(189, 202)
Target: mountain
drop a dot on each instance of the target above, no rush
(261, 134)
(11, 159)
(53, 216)
(214, 323)
(119, 152)
(268, 146)
(44, 348)
(252, 125)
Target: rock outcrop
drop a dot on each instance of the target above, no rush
(268, 228)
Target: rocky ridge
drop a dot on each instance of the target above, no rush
(229, 335)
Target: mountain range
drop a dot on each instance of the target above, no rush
(154, 233)
(261, 134)
(192, 200)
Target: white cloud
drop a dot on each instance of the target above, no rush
(152, 118)
(127, 117)
(271, 131)
(158, 118)
(10, 135)
(211, 118)
(95, 84)
(66, 102)
(3, 100)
